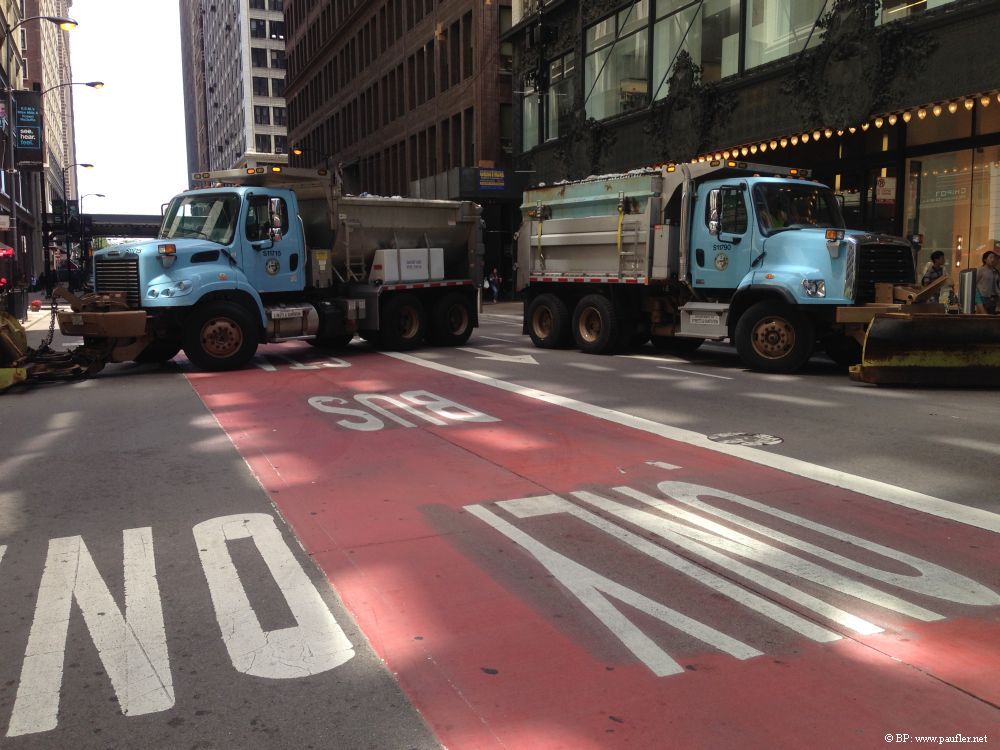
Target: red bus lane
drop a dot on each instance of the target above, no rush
(537, 577)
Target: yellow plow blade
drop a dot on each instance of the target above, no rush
(929, 349)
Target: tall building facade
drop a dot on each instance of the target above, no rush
(894, 104)
(406, 97)
(39, 61)
(234, 82)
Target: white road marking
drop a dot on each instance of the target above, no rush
(692, 372)
(133, 648)
(918, 501)
(663, 465)
(593, 590)
(315, 644)
(739, 594)
(524, 359)
(970, 443)
(494, 338)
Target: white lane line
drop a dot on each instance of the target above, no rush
(692, 372)
(929, 504)
(590, 367)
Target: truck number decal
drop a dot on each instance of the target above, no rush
(438, 410)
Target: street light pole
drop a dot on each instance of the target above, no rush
(8, 39)
(69, 270)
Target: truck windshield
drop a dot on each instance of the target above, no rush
(784, 205)
(211, 217)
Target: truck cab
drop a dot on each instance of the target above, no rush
(723, 250)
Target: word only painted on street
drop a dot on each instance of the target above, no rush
(380, 410)
(132, 645)
(733, 544)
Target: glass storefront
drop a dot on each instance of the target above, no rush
(952, 198)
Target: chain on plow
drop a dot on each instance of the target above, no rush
(19, 362)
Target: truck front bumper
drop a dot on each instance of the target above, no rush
(126, 324)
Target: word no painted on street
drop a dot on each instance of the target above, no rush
(681, 518)
(132, 645)
(421, 405)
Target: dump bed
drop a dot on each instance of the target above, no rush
(606, 229)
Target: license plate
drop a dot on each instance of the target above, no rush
(703, 319)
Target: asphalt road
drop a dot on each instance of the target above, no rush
(150, 567)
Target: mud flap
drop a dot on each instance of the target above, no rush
(929, 349)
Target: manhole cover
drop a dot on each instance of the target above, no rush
(745, 438)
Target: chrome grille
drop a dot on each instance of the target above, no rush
(118, 275)
(881, 262)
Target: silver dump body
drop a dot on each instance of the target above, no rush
(610, 228)
(349, 236)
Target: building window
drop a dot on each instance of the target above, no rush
(529, 119)
(277, 87)
(277, 58)
(280, 116)
(262, 115)
(709, 32)
(260, 86)
(276, 5)
(778, 28)
(262, 143)
(277, 29)
(616, 78)
(559, 100)
(280, 144)
(257, 4)
(258, 28)
(258, 57)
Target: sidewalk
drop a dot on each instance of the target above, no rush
(512, 308)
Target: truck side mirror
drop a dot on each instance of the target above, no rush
(713, 207)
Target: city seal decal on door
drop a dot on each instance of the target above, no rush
(272, 266)
(721, 262)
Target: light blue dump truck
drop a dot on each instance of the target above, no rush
(697, 252)
(266, 256)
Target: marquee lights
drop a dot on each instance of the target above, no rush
(952, 106)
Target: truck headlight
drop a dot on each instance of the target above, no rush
(814, 287)
(172, 289)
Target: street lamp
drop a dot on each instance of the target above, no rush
(69, 274)
(80, 199)
(8, 40)
(92, 84)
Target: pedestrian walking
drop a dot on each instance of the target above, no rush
(495, 281)
(988, 284)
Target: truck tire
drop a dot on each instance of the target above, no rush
(773, 337)
(220, 336)
(677, 344)
(451, 320)
(595, 327)
(159, 351)
(403, 323)
(548, 322)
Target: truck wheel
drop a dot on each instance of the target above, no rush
(773, 337)
(159, 351)
(403, 323)
(677, 344)
(220, 336)
(595, 327)
(548, 322)
(451, 320)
